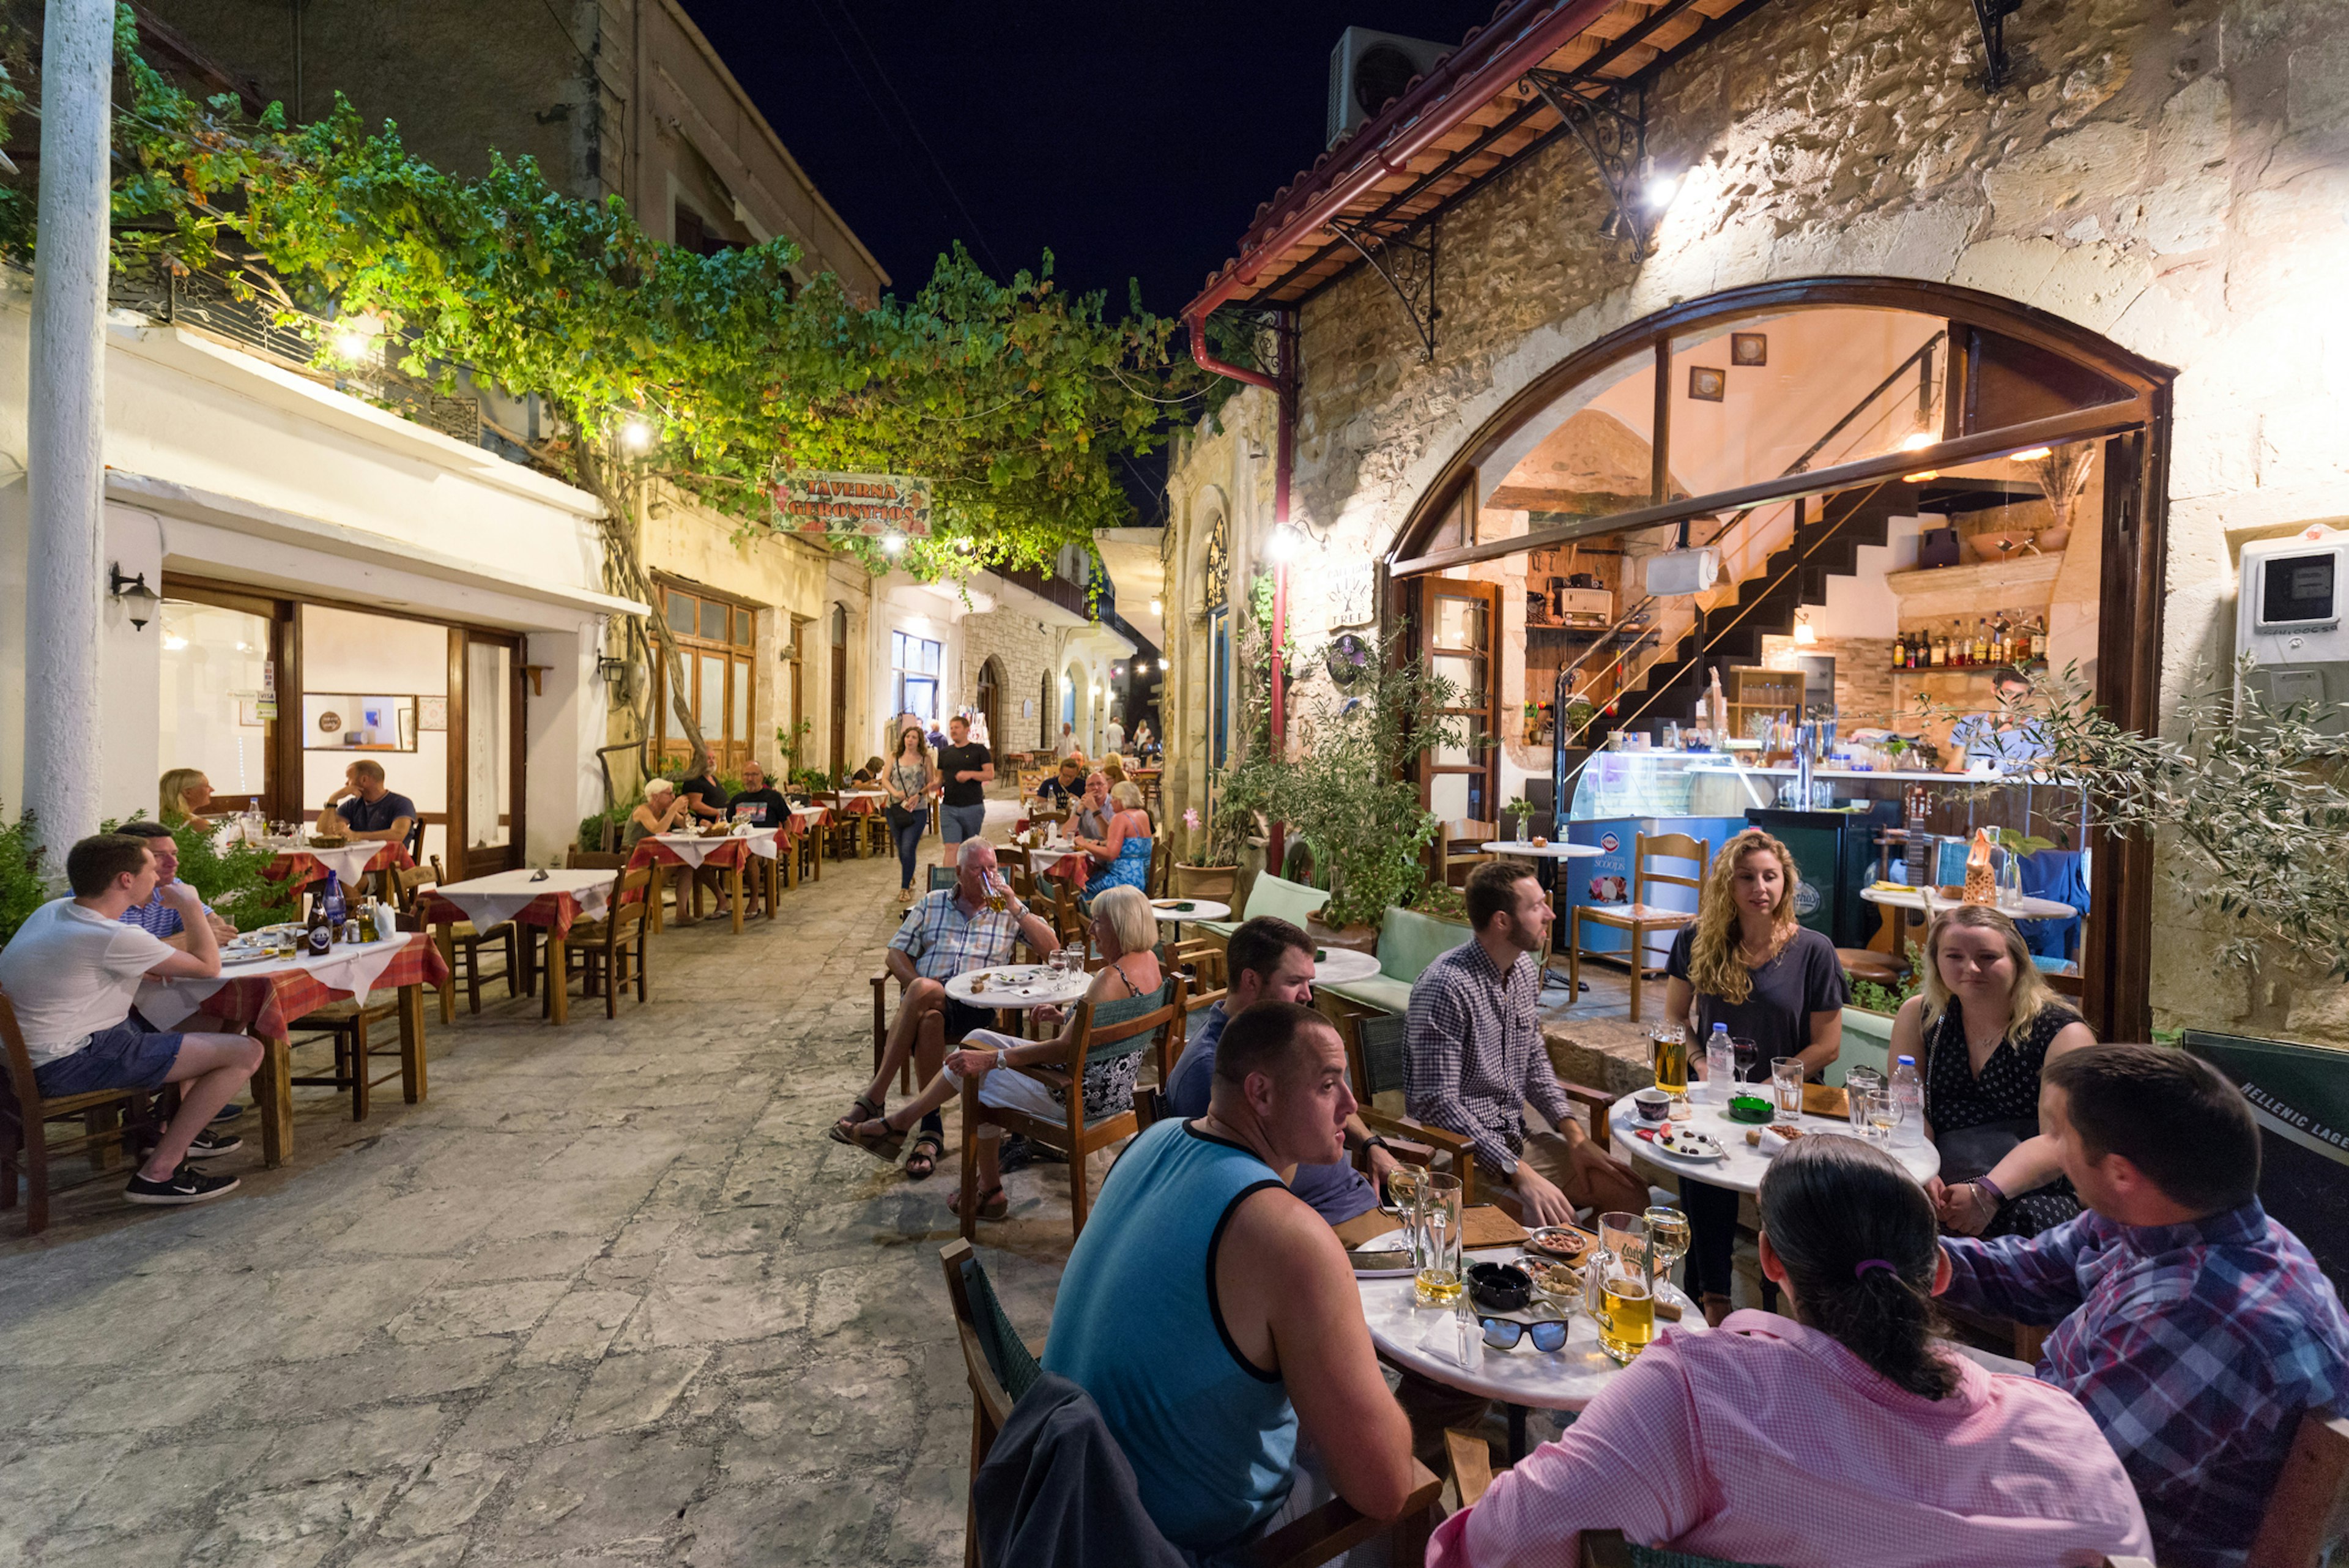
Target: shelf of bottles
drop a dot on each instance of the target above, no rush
(1990, 643)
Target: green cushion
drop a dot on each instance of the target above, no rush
(1866, 1042)
(1212, 927)
(1409, 941)
(1378, 991)
(1292, 901)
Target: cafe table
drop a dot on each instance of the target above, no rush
(1526, 849)
(808, 820)
(1924, 901)
(1741, 1164)
(727, 852)
(267, 994)
(1341, 966)
(551, 899)
(1426, 1340)
(1020, 987)
(1174, 912)
(764, 844)
(298, 865)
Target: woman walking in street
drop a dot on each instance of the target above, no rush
(910, 780)
(1748, 964)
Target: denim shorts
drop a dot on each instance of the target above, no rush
(133, 1055)
(961, 822)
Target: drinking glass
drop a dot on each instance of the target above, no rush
(1624, 1278)
(1438, 1283)
(1885, 1115)
(1668, 1237)
(1403, 1194)
(1747, 1053)
(1719, 1072)
(1669, 1047)
(1786, 1089)
(1858, 1083)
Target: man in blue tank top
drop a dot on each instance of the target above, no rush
(1212, 1314)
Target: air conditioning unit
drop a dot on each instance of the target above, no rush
(1367, 69)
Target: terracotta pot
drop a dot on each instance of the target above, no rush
(1361, 938)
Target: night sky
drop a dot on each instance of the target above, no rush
(1131, 140)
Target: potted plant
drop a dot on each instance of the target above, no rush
(1517, 818)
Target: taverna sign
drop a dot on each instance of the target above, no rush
(849, 505)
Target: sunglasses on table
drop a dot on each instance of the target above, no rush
(1503, 1333)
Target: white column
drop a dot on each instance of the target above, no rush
(66, 575)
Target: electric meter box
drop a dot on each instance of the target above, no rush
(2288, 617)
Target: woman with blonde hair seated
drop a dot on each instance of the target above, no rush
(1122, 855)
(1846, 1433)
(663, 810)
(1748, 963)
(1127, 934)
(1981, 1030)
(185, 795)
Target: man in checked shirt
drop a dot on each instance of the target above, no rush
(2195, 1329)
(1472, 1057)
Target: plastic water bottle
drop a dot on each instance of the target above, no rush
(331, 901)
(1908, 1095)
(1720, 1063)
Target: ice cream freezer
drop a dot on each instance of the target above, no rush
(1608, 879)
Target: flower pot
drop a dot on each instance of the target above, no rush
(1218, 882)
(1361, 938)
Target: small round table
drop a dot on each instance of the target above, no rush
(1523, 849)
(1337, 966)
(1522, 1379)
(1740, 1170)
(1168, 914)
(1019, 986)
(1921, 900)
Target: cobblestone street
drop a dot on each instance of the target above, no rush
(609, 1294)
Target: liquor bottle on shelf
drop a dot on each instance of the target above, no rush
(1982, 641)
(2020, 651)
(1940, 655)
(1900, 653)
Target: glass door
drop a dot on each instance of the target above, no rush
(1457, 623)
(491, 757)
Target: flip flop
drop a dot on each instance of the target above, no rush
(929, 1149)
(992, 1204)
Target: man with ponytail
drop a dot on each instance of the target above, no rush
(2195, 1329)
(1846, 1433)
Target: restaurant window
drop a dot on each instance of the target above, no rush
(917, 662)
(714, 638)
(218, 697)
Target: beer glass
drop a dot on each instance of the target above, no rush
(1787, 1090)
(1670, 1047)
(1438, 1283)
(1858, 1084)
(1624, 1273)
(1403, 1194)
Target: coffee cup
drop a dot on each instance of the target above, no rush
(1652, 1104)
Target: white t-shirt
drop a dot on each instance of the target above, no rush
(1116, 736)
(69, 972)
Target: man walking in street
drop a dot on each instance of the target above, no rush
(967, 768)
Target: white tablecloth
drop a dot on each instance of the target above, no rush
(691, 848)
(763, 842)
(352, 968)
(494, 899)
(1741, 1170)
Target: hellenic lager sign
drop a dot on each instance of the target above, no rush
(837, 504)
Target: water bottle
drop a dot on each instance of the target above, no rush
(1909, 1098)
(1720, 1063)
(331, 901)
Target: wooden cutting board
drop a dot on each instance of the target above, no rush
(1819, 1100)
(1481, 1225)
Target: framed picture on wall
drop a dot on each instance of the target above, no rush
(346, 721)
(1707, 384)
(432, 713)
(1749, 348)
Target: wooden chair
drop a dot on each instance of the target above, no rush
(110, 1119)
(1638, 916)
(1374, 1064)
(1459, 850)
(1103, 1032)
(844, 834)
(1001, 1369)
(601, 949)
(2307, 1517)
(347, 1024)
(468, 943)
(1162, 856)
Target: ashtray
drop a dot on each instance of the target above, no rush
(1750, 1108)
(1502, 1287)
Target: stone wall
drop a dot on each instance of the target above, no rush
(2172, 174)
(1025, 648)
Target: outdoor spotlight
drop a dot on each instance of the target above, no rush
(2033, 455)
(637, 434)
(1918, 441)
(1157, 606)
(893, 543)
(1281, 547)
(1662, 189)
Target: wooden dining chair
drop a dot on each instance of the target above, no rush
(1103, 1032)
(111, 1119)
(1001, 1369)
(466, 945)
(605, 951)
(1638, 916)
(2307, 1517)
(1374, 1064)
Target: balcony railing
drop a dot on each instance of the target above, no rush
(1068, 595)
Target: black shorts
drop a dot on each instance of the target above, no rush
(961, 1018)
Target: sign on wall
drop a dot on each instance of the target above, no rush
(850, 504)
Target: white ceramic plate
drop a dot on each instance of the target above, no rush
(1389, 1242)
(1684, 1145)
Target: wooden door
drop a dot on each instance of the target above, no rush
(838, 755)
(991, 703)
(1457, 622)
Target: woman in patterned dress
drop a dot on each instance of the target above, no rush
(1121, 856)
(1981, 1030)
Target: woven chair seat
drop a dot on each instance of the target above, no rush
(1643, 914)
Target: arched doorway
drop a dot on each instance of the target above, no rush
(1880, 469)
(990, 702)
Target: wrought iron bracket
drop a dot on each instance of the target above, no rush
(1998, 65)
(1610, 118)
(1407, 261)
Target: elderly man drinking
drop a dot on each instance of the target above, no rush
(946, 932)
(1212, 1314)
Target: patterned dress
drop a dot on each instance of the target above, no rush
(1130, 869)
(2007, 1094)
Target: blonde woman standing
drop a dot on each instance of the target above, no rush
(1747, 963)
(1981, 1030)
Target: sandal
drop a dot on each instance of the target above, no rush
(992, 1204)
(929, 1149)
(861, 1110)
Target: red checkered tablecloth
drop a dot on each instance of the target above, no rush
(554, 911)
(271, 999)
(297, 868)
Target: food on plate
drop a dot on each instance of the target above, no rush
(1754, 1134)
(1556, 1278)
(1559, 1241)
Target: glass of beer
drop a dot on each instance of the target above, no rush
(1623, 1271)
(1669, 1045)
(1438, 1283)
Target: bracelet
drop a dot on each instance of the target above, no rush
(1987, 1185)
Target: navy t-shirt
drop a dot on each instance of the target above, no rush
(361, 816)
(1805, 978)
(761, 808)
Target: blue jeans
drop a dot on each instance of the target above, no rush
(961, 822)
(909, 843)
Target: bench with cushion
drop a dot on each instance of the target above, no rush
(1408, 942)
(1271, 895)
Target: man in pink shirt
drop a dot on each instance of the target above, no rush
(1846, 1434)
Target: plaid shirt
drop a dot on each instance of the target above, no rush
(1473, 1054)
(2195, 1346)
(943, 942)
(156, 918)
